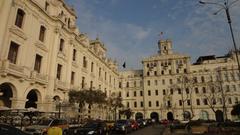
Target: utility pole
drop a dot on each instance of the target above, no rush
(226, 5)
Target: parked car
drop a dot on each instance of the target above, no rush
(141, 123)
(123, 126)
(43, 125)
(92, 128)
(164, 122)
(10, 130)
(134, 124)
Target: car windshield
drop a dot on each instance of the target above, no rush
(91, 125)
(44, 122)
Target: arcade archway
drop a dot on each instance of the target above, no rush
(170, 116)
(33, 97)
(138, 115)
(219, 116)
(204, 115)
(154, 115)
(6, 93)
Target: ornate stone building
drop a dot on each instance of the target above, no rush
(169, 85)
(43, 55)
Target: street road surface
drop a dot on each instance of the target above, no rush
(150, 130)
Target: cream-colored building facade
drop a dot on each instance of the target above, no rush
(43, 55)
(169, 85)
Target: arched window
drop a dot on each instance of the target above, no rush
(19, 18)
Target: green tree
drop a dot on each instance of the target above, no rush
(114, 102)
(127, 112)
(89, 97)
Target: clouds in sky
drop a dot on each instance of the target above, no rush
(129, 29)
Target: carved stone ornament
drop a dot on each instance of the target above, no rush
(18, 32)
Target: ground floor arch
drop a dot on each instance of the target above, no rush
(7, 91)
(204, 115)
(138, 115)
(33, 97)
(219, 116)
(154, 115)
(170, 116)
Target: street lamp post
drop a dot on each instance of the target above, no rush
(226, 7)
(59, 109)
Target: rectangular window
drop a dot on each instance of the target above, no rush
(171, 91)
(92, 66)
(135, 104)
(83, 82)
(74, 54)
(164, 92)
(42, 33)
(135, 93)
(149, 83)
(141, 103)
(91, 86)
(59, 70)
(84, 62)
(128, 105)
(187, 90)
(188, 102)
(179, 91)
(196, 90)
(38, 61)
(149, 104)
(19, 18)
(120, 84)
(198, 101)
(127, 95)
(180, 102)
(157, 103)
(61, 45)
(170, 81)
(229, 101)
(149, 93)
(203, 89)
(13, 52)
(156, 92)
(155, 73)
(205, 102)
(72, 77)
(141, 93)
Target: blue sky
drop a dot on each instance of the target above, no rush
(130, 28)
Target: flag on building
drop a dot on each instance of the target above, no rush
(124, 64)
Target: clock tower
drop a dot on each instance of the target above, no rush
(165, 47)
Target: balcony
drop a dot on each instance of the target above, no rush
(60, 85)
(9, 68)
(39, 78)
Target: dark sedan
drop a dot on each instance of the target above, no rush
(10, 130)
(92, 128)
(122, 126)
